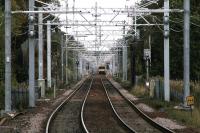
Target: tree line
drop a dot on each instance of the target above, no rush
(176, 22)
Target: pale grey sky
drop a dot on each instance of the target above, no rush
(101, 3)
(90, 17)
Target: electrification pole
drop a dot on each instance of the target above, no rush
(62, 64)
(150, 49)
(117, 62)
(48, 54)
(31, 55)
(166, 52)
(124, 61)
(113, 66)
(41, 81)
(7, 55)
(66, 50)
(81, 66)
(77, 65)
(96, 43)
(186, 49)
(147, 74)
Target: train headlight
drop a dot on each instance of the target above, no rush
(147, 84)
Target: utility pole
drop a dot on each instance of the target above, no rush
(100, 36)
(166, 52)
(66, 50)
(186, 49)
(74, 65)
(124, 56)
(150, 48)
(31, 55)
(48, 54)
(62, 64)
(147, 58)
(77, 65)
(81, 66)
(41, 81)
(117, 62)
(96, 15)
(8, 55)
(66, 64)
(147, 74)
(113, 66)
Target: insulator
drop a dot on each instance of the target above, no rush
(166, 33)
(166, 19)
(31, 33)
(31, 18)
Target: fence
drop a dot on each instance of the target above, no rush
(158, 89)
(20, 97)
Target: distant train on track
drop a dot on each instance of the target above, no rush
(102, 70)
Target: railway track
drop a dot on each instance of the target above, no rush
(98, 116)
(66, 117)
(98, 107)
(129, 113)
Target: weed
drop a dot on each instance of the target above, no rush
(139, 91)
(186, 117)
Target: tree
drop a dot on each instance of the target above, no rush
(176, 41)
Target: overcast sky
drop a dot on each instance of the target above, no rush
(90, 17)
(102, 3)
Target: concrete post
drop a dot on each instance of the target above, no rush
(117, 62)
(81, 67)
(31, 56)
(124, 61)
(7, 55)
(75, 66)
(166, 53)
(147, 69)
(150, 49)
(113, 66)
(186, 49)
(62, 61)
(66, 50)
(66, 64)
(41, 81)
(48, 54)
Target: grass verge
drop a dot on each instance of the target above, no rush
(183, 117)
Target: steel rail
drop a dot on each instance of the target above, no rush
(82, 108)
(61, 105)
(142, 114)
(113, 108)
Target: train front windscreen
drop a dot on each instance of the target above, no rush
(102, 70)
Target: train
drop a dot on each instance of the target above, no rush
(102, 70)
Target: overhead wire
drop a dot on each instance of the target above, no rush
(20, 34)
(175, 30)
(157, 24)
(181, 21)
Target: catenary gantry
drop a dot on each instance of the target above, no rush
(134, 12)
